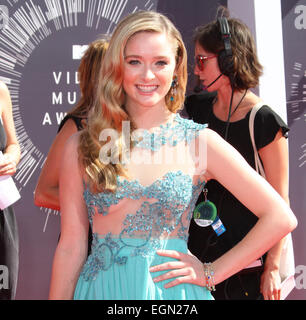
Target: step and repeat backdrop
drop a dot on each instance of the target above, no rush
(41, 44)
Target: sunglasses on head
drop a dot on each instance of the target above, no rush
(200, 60)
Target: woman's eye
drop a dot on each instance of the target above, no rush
(161, 63)
(133, 62)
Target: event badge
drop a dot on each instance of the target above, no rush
(205, 214)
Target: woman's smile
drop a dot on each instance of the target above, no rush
(146, 88)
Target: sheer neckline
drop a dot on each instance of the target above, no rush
(166, 125)
(171, 132)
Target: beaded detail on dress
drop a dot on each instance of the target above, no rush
(172, 134)
(164, 212)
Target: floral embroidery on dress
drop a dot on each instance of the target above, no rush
(181, 129)
(175, 195)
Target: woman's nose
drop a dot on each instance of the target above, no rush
(196, 70)
(148, 73)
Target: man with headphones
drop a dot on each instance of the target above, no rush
(227, 66)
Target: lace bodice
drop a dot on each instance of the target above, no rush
(156, 204)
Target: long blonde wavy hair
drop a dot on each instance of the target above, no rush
(108, 109)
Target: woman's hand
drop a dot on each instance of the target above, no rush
(8, 165)
(270, 284)
(187, 269)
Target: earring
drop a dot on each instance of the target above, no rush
(174, 86)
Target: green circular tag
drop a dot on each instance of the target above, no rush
(205, 213)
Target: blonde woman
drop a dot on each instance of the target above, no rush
(138, 191)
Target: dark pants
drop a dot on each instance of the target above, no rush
(9, 254)
(241, 286)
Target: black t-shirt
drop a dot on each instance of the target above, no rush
(237, 219)
(77, 121)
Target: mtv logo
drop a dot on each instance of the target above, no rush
(78, 51)
(4, 16)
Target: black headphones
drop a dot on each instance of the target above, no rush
(225, 57)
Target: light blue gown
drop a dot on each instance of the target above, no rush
(151, 211)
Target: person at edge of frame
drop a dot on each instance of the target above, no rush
(227, 78)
